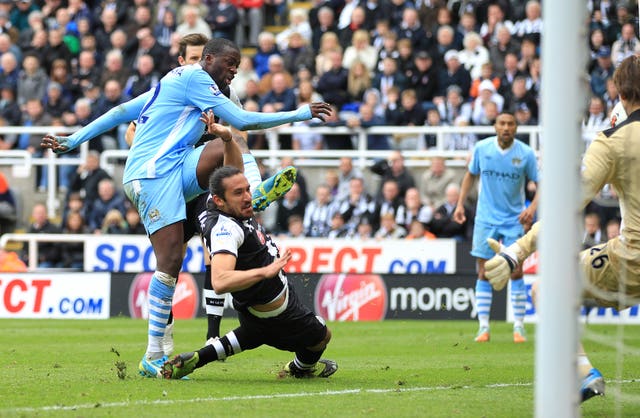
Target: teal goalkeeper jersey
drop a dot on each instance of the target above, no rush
(503, 175)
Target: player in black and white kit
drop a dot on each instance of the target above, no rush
(246, 262)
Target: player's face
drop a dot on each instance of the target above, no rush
(223, 67)
(505, 129)
(237, 197)
(193, 54)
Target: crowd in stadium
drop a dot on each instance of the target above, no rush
(385, 62)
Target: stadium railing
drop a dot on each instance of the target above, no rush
(22, 161)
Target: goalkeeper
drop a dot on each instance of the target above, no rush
(612, 269)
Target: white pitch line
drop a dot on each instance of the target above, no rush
(271, 396)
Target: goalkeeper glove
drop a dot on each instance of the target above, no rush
(499, 268)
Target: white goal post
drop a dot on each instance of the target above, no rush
(564, 53)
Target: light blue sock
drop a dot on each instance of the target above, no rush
(484, 294)
(518, 301)
(160, 298)
(251, 171)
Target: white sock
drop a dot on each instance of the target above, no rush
(251, 171)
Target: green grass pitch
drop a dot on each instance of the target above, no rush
(387, 369)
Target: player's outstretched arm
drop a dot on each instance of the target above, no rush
(244, 121)
(122, 113)
(225, 278)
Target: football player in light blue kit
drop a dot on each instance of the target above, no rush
(155, 177)
(504, 166)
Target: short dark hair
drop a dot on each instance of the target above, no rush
(217, 177)
(218, 46)
(191, 39)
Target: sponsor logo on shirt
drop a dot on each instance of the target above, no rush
(214, 89)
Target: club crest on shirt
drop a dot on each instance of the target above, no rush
(516, 161)
(214, 89)
(261, 237)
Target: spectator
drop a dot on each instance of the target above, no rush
(411, 113)
(298, 54)
(251, 15)
(87, 73)
(358, 22)
(592, 231)
(531, 25)
(326, 24)
(164, 29)
(346, 172)
(114, 68)
(528, 53)
(405, 55)
(245, 73)
(266, 48)
(338, 228)
(474, 54)
(147, 45)
(280, 96)
(628, 44)
(453, 107)
(389, 229)
(356, 206)
(434, 181)
(389, 48)
(114, 223)
(108, 198)
(291, 204)
(8, 207)
(60, 74)
(295, 227)
(111, 97)
(612, 228)
(442, 223)
(366, 118)
(134, 223)
(445, 42)
(72, 253)
(595, 121)
(9, 109)
(193, 22)
(498, 51)
(418, 231)
(317, 214)
(32, 82)
(74, 203)
(611, 97)
(55, 103)
(413, 209)
(20, 14)
(109, 23)
(388, 78)
(388, 202)
(35, 23)
(298, 22)
(10, 262)
(223, 19)
(361, 50)
(87, 178)
(411, 29)
(394, 168)
(596, 41)
(423, 78)
(56, 49)
(328, 44)
(524, 118)
(10, 74)
(433, 119)
(602, 71)
(144, 78)
(490, 30)
(275, 10)
(48, 252)
(519, 94)
(486, 73)
(487, 93)
(454, 74)
(333, 84)
(276, 65)
(34, 116)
